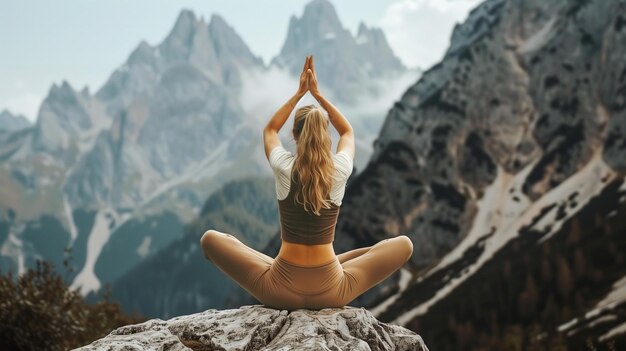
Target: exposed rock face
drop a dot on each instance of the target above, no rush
(147, 141)
(348, 64)
(530, 88)
(167, 129)
(508, 152)
(255, 327)
(11, 122)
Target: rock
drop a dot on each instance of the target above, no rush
(256, 327)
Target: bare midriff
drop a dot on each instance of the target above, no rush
(306, 255)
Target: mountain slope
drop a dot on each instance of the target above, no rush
(10, 122)
(179, 279)
(120, 171)
(345, 65)
(492, 161)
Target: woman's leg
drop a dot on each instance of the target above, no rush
(348, 255)
(240, 262)
(375, 265)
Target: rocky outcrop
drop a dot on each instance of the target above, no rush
(255, 327)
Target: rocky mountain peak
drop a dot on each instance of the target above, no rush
(61, 116)
(143, 54)
(217, 21)
(178, 42)
(372, 41)
(185, 24)
(60, 91)
(215, 48)
(321, 11)
(228, 45)
(367, 34)
(319, 22)
(11, 122)
(345, 64)
(362, 30)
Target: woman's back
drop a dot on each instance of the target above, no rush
(298, 225)
(307, 238)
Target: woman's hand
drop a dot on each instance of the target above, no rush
(304, 83)
(312, 79)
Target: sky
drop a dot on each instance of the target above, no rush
(44, 42)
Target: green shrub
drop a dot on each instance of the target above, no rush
(39, 311)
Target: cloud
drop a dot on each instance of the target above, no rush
(264, 92)
(390, 90)
(419, 31)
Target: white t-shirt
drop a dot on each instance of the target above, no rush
(282, 161)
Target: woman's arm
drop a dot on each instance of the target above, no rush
(339, 121)
(270, 132)
(344, 128)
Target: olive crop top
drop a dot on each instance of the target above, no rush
(296, 224)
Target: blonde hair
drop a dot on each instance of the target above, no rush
(314, 163)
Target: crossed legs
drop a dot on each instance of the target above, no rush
(348, 255)
(363, 268)
(376, 264)
(243, 264)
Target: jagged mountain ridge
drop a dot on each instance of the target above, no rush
(140, 150)
(10, 122)
(489, 159)
(356, 60)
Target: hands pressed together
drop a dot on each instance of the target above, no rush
(308, 81)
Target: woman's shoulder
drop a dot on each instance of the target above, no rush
(280, 158)
(343, 163)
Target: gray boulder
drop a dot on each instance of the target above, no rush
(256, 327)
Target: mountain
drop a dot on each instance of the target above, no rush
(139, 152)
(120, 171)
(345, 65)
(360, 74)
(10, 122)
(505, 165)
(213, 48)
(179, 279)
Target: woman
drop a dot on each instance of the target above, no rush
(309, 186)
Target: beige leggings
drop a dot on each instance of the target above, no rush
(279, 284)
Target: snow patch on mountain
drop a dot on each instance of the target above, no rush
(13, 248)
(540, 38)
(405, 278)
(620, 329)
(588, 182)
(70, 220)
(144, 249)
(105, 222)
